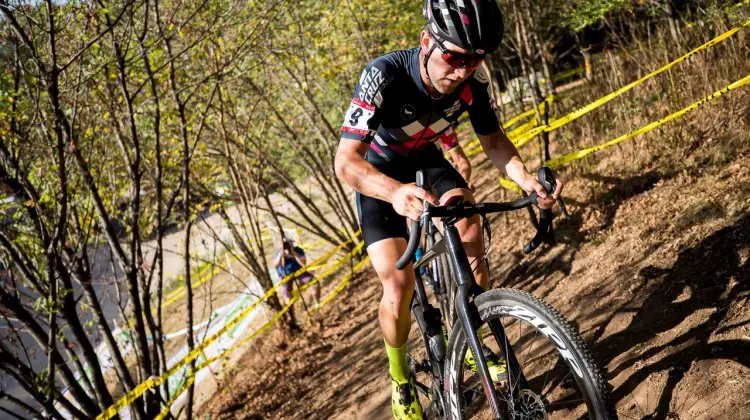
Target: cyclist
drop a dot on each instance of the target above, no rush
(403, 102)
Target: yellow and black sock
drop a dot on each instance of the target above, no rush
(398, 366)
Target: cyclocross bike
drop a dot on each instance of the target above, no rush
(549, 372)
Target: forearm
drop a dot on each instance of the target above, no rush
(364, 178)
(505, 157)
(462, 162)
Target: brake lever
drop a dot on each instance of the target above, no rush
(547, 179)
(545, 231)
(415, 228)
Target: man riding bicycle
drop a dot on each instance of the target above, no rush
(403, 103)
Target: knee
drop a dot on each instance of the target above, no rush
(470, 230)
(397, 290)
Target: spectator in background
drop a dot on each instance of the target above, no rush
(289, 260)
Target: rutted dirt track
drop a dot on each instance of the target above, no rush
(653, 267)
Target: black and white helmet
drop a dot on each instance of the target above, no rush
(474, 25)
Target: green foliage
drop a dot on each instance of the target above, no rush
(578, 14)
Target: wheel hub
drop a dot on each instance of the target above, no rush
(528, 406)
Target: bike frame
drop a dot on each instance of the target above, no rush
(468, 315)
(466, 311)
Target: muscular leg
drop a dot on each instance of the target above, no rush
(395, 322)
(398, 287)
(471, 236)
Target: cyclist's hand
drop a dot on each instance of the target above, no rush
(545, 200)
(408, 198)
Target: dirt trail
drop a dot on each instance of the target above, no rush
(653, 267)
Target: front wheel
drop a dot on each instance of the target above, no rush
(551, 374)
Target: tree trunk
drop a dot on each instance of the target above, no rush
(587, 63)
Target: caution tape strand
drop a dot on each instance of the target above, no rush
(152, 382)
(571, 157)
(579, 154)
(268, 325)
(559, 122)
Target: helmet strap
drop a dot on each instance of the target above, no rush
(426, 70)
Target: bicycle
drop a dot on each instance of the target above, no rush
(438, 273)
(533, 388)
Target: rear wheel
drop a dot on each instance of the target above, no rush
(560, 378)
(447, 284)
(442, 277)
(429, 389)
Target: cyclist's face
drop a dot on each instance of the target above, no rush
(445, 75)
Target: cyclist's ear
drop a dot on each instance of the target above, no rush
(424, 40)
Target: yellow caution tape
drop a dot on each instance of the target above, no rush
(165, 410)
(549, 99)
(521, 129)
(264, 328)
(508, 184)
(570, 73)
(605, 99)
(474, 147)
(570, 157)
(191, 378)
(344, 282)
(198, 275)
(477, 147)
(313, 245)
(203, 274)
(152, 382)
(512, 135)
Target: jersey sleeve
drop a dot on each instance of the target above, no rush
(482, 110)
(300, 251)
(449, 139)
(362, 119)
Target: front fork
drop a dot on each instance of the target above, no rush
(469, 319)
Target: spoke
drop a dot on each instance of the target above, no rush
(528, 348)
(510, 380)
(546, 375)
(520, 335)
(561, 383)
(565, 402)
